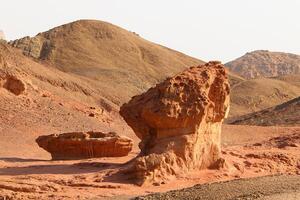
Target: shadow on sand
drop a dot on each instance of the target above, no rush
(55, 167)
(15, 159)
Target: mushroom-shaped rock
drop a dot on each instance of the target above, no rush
(80, 145)
(179, 123)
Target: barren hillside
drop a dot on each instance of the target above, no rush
(112, 57)
(253, 95)
(36, 99)
(293, 79)
(84, 71)
(286, 114)
(265, 64)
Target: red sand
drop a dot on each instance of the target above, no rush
(248, 152)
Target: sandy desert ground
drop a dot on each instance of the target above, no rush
(276, 187)
(249, 151)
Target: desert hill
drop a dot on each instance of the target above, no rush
(269, 79)
(111, 57)
(253, 95)
(293, 79)
(78, 82)
(265, 64)
(287, 114)
(37, 99)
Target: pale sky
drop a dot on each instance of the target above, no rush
(206, 29)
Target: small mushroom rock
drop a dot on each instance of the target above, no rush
(179, 123)
(81, 145)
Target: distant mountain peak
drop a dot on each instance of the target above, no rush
(264, 63)
(101, 51)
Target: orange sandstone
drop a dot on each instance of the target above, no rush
(179, 123)
(79, 145)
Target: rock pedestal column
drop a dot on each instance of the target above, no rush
(179, 123)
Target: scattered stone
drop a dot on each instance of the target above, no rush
(239, 167)
(13, 85)
(219, 164)
(156, 184)
(80, 145)
(247, 163)
(46, 94)
(179, 123)
(286, 141)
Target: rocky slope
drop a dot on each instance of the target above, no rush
(37, 99)
(253, 95)
(112, 57)
(293, 79)
(286, 114)
(78, 85)
(265, 64)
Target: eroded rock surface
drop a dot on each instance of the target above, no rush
(80, 145)
(13, 85)
(36, 47)
(179, 123)
(10, 82)
(262, 63)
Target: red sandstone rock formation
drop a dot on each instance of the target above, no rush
(79, 145)
(179, 123)
(13, 84)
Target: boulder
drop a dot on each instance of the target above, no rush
(9, 81)
(13, 84)
(81, 145)
(179, 123)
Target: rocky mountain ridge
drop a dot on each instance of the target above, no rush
(111, 59)
(263, 63)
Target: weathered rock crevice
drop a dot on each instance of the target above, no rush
(36, 47)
